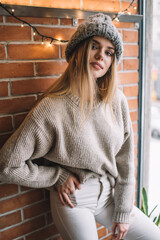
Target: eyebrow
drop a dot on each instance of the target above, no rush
(100, 43)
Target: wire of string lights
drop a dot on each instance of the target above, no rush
(55, 40)
(125, 11)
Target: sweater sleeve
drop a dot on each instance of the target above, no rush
(17, 157)
(125, 182)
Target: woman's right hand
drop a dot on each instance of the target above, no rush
(67, 188)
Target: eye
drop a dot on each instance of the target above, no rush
(94, 46)
(109, 53)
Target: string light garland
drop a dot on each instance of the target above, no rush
(126, 11)
(44, 37)
(59, 41)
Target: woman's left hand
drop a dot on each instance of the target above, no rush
(122, 229)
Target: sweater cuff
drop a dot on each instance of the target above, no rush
(63, 177)
(121, 217)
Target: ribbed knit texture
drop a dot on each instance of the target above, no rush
(52, 131)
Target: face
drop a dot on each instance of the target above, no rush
(101, 55)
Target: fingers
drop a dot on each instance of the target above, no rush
(67, 200)
(77, 184)
(61, 199)
(121, 235)
(67, 188)
(64, 198)
(122, 230)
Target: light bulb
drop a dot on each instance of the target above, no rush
(117, 19)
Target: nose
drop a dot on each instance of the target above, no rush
(99, 55)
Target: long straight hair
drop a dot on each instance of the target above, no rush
(77, 78)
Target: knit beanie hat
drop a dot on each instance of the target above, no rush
(97, 25)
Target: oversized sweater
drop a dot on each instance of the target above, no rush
(102, 145)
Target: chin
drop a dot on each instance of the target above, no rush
(96, 76)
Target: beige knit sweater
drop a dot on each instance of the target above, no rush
(101, 146)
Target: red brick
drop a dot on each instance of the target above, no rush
(49, 231)
(98, 225)
(31, 85)
(125, 5)
(5, 124)
(102, 232)
(124, 25)
(131, 91)
(119, 67)
(3, 89)
(7, 190)
(130, 36)
(57, 4)
(15, 33)
(9, 70)
(110, 6)
(81, 21)
(36, 209)
(10, 219)
(50, 68)
(21, 201)
(136, 154)
(131, 64)
(63, 47)
(135, 127)
(1, 19)
(33, 20)
(19, 119)
(23, 188)
(49, 217)
(32, 51)
(2, 52)
(136, 139)
(23, 228)
(134, 116)
(47, 194)
(3, 139)
(135, 171)
(131, 51)
(23, 2)
(65, 21)
(128, 77)
(133, 103)
(15, 105)
(108, 238)
(58, 33)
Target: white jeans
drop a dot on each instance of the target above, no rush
(94, 203)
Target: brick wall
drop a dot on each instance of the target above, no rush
(27, 68)
(92, 5)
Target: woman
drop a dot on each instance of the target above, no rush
(83, 129)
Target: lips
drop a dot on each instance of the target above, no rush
(96, 65)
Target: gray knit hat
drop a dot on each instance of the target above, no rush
(99, 25)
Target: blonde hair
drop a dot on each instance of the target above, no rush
(77, 77)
